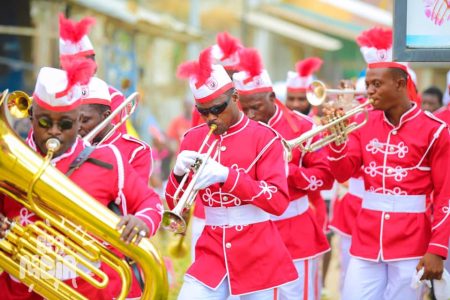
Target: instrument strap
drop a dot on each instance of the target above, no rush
(115, 208)
(83, 157)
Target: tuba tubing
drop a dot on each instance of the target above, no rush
(18, 166)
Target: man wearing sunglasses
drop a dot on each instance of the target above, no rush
(103, 175)
(239, 251)
(306, 172)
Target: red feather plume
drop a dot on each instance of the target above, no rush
(79, 70)
(228, 44)
(308, 66)
(250, 61)
(74, 31)
(200, 70)
(377, 37)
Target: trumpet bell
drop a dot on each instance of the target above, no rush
(173, 222)
(18, 104)
(316, 93)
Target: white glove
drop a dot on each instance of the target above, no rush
(213, 172)
(184, 161)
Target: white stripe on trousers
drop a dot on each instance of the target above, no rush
(305, 287)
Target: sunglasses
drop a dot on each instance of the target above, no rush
(62, 125)
(215, 110)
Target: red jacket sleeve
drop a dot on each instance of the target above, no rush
(440, 173)
(140, 200)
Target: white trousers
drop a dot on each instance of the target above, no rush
(380, 280)
(194, 290)
(306, 286)
(344, 245)
(197, 229)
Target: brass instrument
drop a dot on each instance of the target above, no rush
(69, 217)
(19, 103)
(336, 130)
(172, 219)
(122, 108)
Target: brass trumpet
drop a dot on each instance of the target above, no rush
(172, 219)
(337, 128)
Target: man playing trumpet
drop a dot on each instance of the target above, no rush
(307, 172)
(403, 152)
(240, 251)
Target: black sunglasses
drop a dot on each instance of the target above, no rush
(62, 125)
(215, 110)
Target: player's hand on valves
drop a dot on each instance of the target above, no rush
(184, 162)
(5, 224)
(213, 172)
(133, 227)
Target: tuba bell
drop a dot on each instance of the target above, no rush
(72, 221)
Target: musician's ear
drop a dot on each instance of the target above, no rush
(106, 114)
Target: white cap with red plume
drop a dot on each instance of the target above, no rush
(300, 80)
(73, 37)
(97, 92)
(207, 81)
(226, 51)
(253, 78)
(62, 90)
(376, 48)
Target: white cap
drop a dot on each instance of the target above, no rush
(218, 83)
(52, 91)
(97, 92)
(246, 84)
(74, 38)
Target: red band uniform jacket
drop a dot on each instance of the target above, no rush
(402, 163)
(251, 256)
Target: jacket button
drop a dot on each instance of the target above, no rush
(228, 245)
(225, 198)
(394, 132)
(223, 148)
(390, 171)
(387, 216)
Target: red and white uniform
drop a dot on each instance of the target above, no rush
(443, 113)
(120, 184)
(239, 242)
(307, 173)
(134, 151)
(402, 165)
(346, 209)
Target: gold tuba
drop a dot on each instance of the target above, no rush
(70, 216)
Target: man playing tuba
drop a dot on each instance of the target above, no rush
(55, 114)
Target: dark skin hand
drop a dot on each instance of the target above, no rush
(131, 226)
(5, 224)
(434, 266)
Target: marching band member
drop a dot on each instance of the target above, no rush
(74, 41)
(224, 53)
(102, 174)
(96, 108)
(444, 112)
(404, 155)
(298, 227)
(240, 251)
